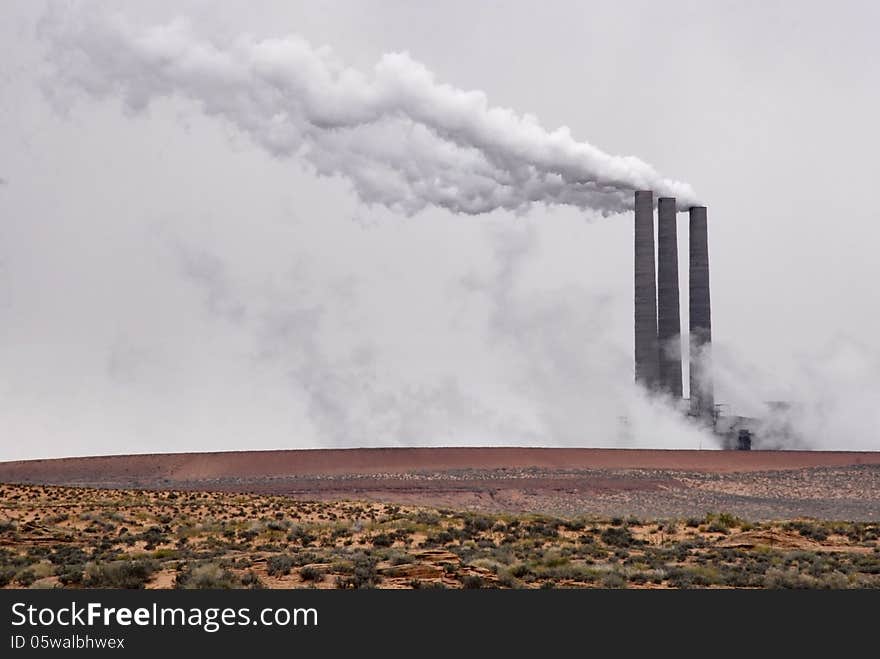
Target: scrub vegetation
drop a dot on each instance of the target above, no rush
(66, 537)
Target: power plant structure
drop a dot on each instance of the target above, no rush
(658, 336)
(657, 314)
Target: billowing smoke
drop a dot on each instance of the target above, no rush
(565, 358)
(826, 400)
(403, 139)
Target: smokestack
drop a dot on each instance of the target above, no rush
(668, 314)
(702, 395)
(647, 356)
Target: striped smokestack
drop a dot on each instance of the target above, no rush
(646, 353)
(668, 314)
(702, 395)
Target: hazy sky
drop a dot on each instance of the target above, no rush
(167, 284)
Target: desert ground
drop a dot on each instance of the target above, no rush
(53, 536)
(443, 518)
(754, 485)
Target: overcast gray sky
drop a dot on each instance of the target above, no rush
(168, 284)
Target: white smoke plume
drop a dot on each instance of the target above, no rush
(566, 361)
(346, 395)
(403, 139)
(826, 400)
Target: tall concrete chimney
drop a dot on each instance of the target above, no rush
(647, 355)
(668, 313)
(702, 395)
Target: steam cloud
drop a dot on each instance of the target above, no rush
(560, 348)
(830, 396)
(403, 139)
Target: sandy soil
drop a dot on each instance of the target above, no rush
(242, 464)
(567, 482)
(77, 537)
